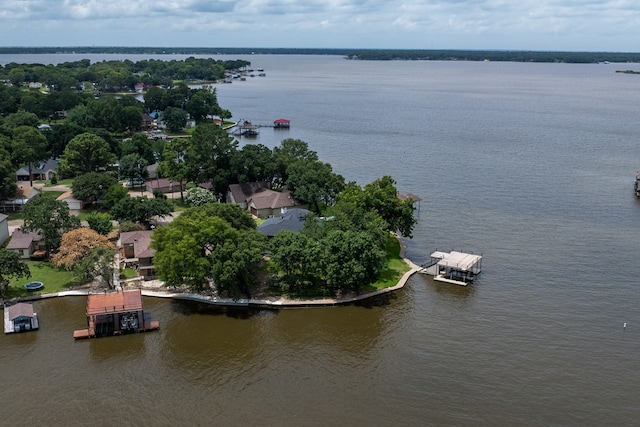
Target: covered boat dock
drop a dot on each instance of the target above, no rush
(454, 267)
(115, 313)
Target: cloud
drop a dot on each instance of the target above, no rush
(288, 23)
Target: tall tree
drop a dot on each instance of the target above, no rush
(10, 266)
(209, 156)
(174, 118)
(174, 166)
(50, 218)
(97, 263)
(86, 153)
(76, 244)
(29, 146)
(133, 166)
(315, 183)
(93, 186)
(140, 209)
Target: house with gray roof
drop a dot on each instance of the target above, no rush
(26, 243)
(24, 193)
(40, 171)
(290, 220)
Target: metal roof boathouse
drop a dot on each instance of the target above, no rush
(115, 313)
(454, 267)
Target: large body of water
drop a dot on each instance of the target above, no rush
(529, 164)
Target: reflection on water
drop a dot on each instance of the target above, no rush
(121, 348)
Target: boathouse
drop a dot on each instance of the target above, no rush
(20, 317)
(115, 313)
(281, 124)
(454, 267)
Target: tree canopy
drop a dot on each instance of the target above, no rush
(49, 217)
(11, 266)
(76, 245)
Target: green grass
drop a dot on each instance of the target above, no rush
(128, 273)
(68, 182)
(55, 280)
(51, 194)
(396, 267)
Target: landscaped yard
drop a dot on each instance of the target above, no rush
(54, 280)
(396, 267)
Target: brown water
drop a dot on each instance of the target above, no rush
(530, 164)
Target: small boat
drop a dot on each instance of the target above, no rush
(636, 184)
(34, 286)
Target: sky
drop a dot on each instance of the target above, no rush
(559, 25)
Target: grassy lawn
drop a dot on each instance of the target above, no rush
(51, 194)
(66, 182)
(396, 267)
(128, 273)
(54, 280)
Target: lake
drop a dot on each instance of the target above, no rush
(531, 165)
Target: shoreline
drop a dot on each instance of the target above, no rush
(273, 303)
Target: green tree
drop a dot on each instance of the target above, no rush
(174, 118)
(140, 209)
(97, 263)
(209, 157)
(351, 259)
(202, 103)
(153, 99)
(174, 166)
(85, 153)
(133, 166)
(197, 249)
(29, 146)
(21, 118)
(314, 182)
(114, 194)
(254, 163)
(10, 266)
(141, 145)
(289, 152)
(296, 255)
(93, 186)
(8, 185)
(49, 217)
(237, 217)
(100, 222)
(381, 196)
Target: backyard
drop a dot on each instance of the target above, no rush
(55, 280)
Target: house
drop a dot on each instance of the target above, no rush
(240, 193)
(115, 313)
(20, 317)
(40, 171)
(259, 199)
(165, 186)
(73, 203)
(24, 193)
(290, 220)
(135, 251)
(4, 228)
(26, 244)
(152, 170)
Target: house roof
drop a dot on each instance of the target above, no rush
(22, 240)
(141, 241)
(114, 302)
(292, 220)
(3, 217)
(66, 196)
(269, 199)
(39, 167)
(24, 193)
(241, 193)
(19, 310)
(281, 121)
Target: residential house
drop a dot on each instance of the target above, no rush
(26, 243)
(164, 185)
(73, 203)
(24, 193)
(4, 228)
(290, 220)
(135, 251)
(259, 199)
(40, 171)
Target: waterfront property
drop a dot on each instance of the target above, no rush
(115, 313)
(259, 199)
(20, 317)
(458, 268)
(26, 243)
(135, 252)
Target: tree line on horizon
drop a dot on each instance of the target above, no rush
(350, 53)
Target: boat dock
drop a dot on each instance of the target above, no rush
(115, 313)
(453, 267)
(20, 317)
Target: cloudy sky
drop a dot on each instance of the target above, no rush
(574, 25)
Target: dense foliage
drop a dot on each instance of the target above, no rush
(10, 266)
(51, 218)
